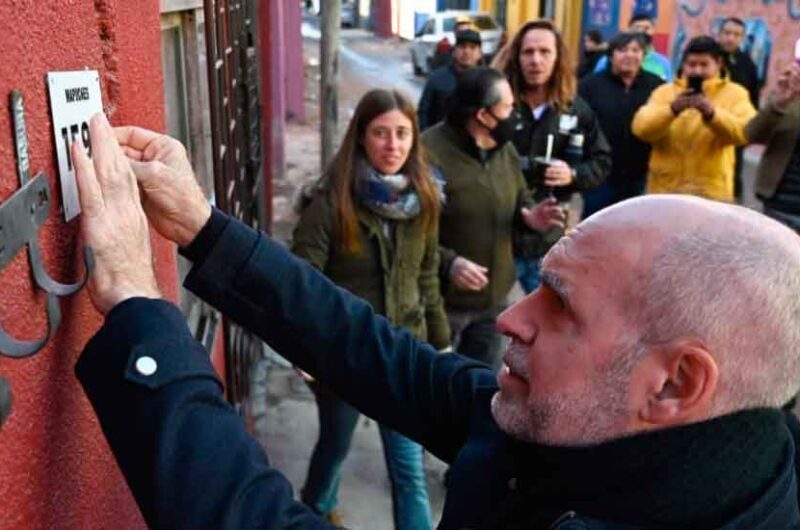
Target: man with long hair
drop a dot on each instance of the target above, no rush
(537, 64)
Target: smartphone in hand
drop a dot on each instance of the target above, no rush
(695, 84)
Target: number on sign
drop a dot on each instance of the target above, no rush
(70, 136)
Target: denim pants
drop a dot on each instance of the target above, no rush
(474, 335)
(609, 193)
(528, 273)
(337, 423)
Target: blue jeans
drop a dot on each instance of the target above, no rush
(609, 193)
(337, 423)
(528, 273)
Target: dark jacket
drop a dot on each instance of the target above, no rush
(484, 192)
(615, 104)
(779, 130)
(591, 167)
(185, 474)
(741, 69)
(400, 279)
(433, 102)
(589, 62)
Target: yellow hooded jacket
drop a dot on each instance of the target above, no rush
(691, 155)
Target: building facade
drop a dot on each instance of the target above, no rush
(223, 78)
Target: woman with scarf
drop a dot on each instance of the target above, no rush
(371, 225)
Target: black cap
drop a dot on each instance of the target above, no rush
(468, 35)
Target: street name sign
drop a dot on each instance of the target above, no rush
(74, 98)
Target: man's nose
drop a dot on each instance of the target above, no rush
(518, 321)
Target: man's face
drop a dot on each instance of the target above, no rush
(731, 36)
(589, 45)
(701, 64)
(467, 54)
(489, 117)
(628, 59)
(566, 378)
(537, 57)
(643, 26)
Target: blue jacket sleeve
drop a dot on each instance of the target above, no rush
(336, 337)
(185, 453)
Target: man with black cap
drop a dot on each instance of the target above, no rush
(442, 81)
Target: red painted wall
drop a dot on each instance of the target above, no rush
(56, 470)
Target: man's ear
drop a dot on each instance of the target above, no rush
(484, 117)
(680, 383)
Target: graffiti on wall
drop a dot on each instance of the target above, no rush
(771, 29)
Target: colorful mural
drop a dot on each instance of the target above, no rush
(772, 26)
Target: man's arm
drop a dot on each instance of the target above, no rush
(423, 108)
(336, 337)
(185, 453)
(593, 169)
(652, 121)
(729, 122)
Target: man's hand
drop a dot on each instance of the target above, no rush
(113, 223)
(704, 105)
(544, 216)
(558, 174)
(173, 200)
(685, 100)
(468, 275)
(787, 89)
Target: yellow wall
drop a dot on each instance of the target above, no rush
(518, 12)
(568, 19)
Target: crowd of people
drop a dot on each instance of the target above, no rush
(632, 387)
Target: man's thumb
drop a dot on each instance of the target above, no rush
(146, 172)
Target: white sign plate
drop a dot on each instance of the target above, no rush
(74, 98)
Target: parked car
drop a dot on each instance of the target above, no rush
(440, 26)
(349, 17)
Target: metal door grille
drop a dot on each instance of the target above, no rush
(236, 148)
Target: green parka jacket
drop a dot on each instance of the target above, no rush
(403, 285)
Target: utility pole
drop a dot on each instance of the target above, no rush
(329, 81)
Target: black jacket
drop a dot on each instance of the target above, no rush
(433, 102)
(615, 104)
(591, 167)
(741, 69)
(190, 463)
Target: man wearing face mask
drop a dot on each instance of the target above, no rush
(485, 196)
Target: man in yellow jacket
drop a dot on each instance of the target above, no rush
(694, 125)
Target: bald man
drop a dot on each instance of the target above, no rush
(641, 388)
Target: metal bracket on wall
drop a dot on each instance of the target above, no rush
(21, 216)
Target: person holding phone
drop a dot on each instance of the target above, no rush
(777, 126)
(694, 125)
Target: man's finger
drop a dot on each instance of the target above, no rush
(130, 152)
(89, 191)
(135, 137)
(105, 151)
